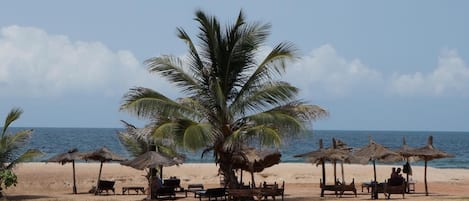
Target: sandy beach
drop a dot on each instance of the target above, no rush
(52, 181)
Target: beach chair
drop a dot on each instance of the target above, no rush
(174, 183)
(167, 192)
(342, 187)
(212, 194)
(272, 190)
(393, 188)
(104, 185)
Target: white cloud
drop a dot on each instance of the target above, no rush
(36, 63)
(450, 77)
(325, 73)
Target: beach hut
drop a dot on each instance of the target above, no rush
(376, 152)
(69, 156)
(428, 153)
(102, 155)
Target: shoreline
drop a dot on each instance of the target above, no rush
(52, 181)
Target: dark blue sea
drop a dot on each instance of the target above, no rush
(52, 141)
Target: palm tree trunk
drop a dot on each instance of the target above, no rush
(226, 168)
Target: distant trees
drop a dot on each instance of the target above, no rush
(233, 95)
(10, 146)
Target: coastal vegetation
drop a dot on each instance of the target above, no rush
(11, 145)
(233, 94)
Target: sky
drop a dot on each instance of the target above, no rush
(374, 65)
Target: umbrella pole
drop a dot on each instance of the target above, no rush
(407, 188)
(323, 178)
(425, 178)
(74, 180)
(252, 179)
(335, 176)
(342, 167)
(99, 177)
(161, 172)
(375, 184)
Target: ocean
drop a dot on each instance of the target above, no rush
(52, 141)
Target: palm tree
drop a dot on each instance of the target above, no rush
(10, 145)
(232, 96)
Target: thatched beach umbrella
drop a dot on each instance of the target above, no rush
(409, 154)
(152, 159)
(338, 152)
(102, 155)
(373, 152)
(69, 156)
(254, 160)
(428, 153)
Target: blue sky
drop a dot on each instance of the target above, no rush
(375, 65)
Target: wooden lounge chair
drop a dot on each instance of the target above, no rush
(272, 190)
(341, 187)
(164, 191)
(212, 194)
(104, 185)
(174, 183)
(390, 188)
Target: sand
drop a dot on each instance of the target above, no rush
(52, 181)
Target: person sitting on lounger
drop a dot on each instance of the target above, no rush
(396, 179)
(156, 183)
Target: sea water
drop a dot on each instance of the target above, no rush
(52, 141)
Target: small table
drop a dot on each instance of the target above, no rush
(194, 188)
(366, 185)
(137, 189)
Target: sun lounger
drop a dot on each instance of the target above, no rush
(174, 183)
(341, 188)
(212, 194)
(272, 190)
(104, 185)
(394, 189)
(137, 189)
(164, 192)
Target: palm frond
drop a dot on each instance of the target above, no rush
(267, 95)
(133, 144)
(197, 136)
(171, 68)
(12, 116)
(25, 157)
(146, 103)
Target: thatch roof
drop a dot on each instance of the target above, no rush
(152, 159)
(254, 160)
(337, 152)
(428, 152)
(69, 156)
(374, 151)
(103, 154)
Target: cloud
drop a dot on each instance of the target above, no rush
(325, 73)
(35, 63)
(450, 77)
